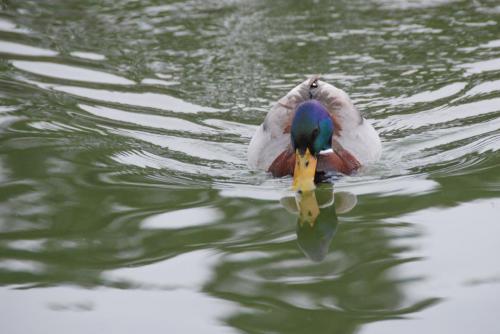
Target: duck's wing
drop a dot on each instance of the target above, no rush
(272, 137)
(353, 133)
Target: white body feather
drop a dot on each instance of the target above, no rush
(357, 135)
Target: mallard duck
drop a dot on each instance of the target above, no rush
(312, 130)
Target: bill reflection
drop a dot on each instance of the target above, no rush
(317, 218)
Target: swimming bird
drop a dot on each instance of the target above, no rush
(313, 130)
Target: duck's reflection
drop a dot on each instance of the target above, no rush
(317, 218)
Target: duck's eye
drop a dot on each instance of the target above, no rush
(315, 133)
(314, 84)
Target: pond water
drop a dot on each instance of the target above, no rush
(126, 203)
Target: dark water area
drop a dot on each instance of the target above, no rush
(126, 203)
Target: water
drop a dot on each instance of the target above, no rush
(126, 203)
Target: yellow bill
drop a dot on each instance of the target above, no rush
(305, 168)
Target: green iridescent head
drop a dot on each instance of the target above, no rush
(311, 132)
(312, 128)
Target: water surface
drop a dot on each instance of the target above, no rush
(125, 199)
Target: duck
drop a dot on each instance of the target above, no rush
(313, 130)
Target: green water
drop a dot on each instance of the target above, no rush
(126, 204)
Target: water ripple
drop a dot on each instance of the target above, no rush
(146, 120)
(67, 72)
(24, 50)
